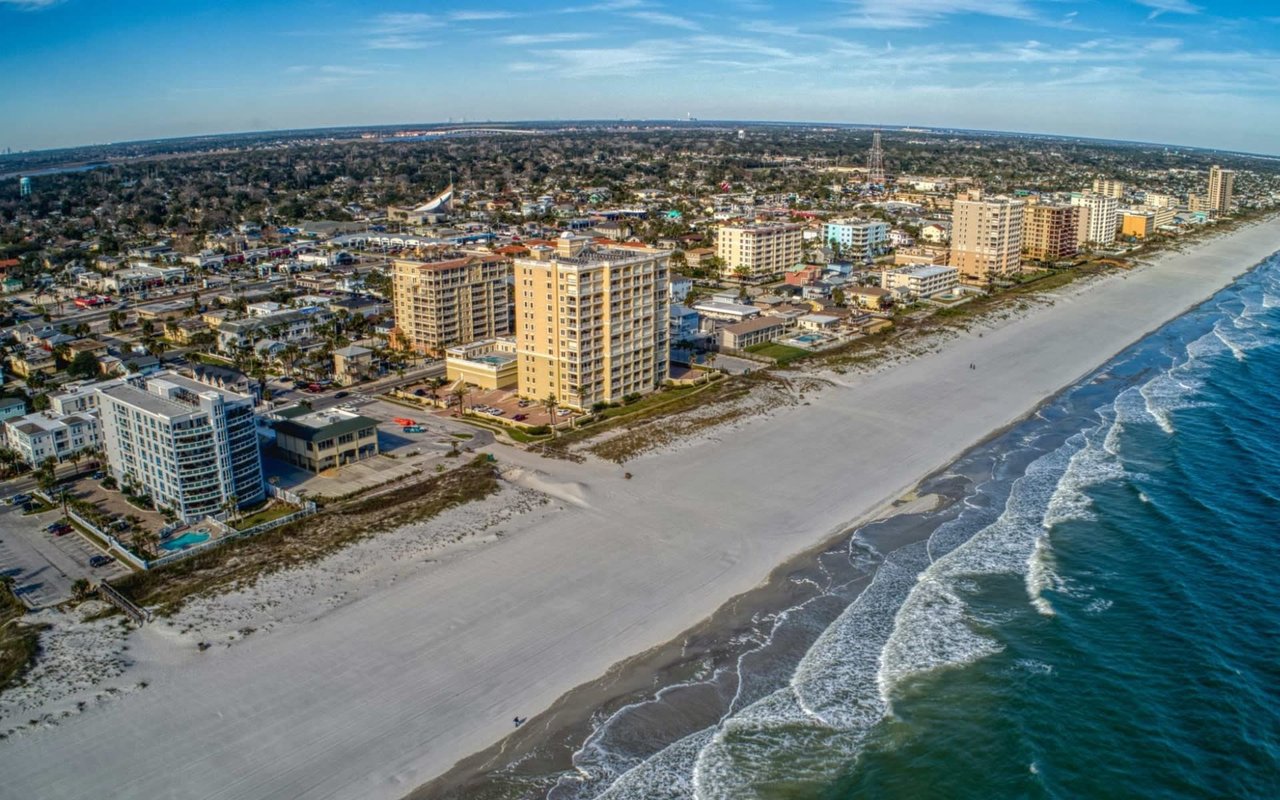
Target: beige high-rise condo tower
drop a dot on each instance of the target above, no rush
(591, 321)
(757, 251)
(986, 237)
(1049, 231)
(455, 299)
(1222, 184)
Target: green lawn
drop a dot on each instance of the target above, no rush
(779, 352)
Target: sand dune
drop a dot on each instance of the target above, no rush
(380, 694)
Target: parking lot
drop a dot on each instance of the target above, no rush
(497, 404)
(409, 452)
(44, 566)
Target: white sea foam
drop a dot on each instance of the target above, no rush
(1041, 576)
(832, 695)
(1098, 605)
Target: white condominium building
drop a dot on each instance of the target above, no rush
(758, 250)
(1099, 216)
(192, 448)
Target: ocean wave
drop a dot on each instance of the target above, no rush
(1041, 576)
(830, 704)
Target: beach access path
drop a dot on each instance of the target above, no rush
(379, 695)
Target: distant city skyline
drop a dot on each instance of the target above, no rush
(1204, 74)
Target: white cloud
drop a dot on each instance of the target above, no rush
(608, 5)
(669, 20)
(480, 16)
(30, 5)
(530, 39)
(1159, 7)
(894, 14)
(402, 31)
(629, 60)
(405, 22)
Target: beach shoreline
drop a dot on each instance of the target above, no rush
(384, 694)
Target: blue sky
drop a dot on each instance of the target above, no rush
(1179, 71)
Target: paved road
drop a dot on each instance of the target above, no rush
(44, 566)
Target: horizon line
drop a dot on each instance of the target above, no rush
(690, 122)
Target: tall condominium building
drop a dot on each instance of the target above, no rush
(1109, 187)
(1049, 231)
(857, 238)
(1222, 184)
(456, 299)
(758, 250)
(591, 322)
(190, 447)
(1099, 215)
(986, 237)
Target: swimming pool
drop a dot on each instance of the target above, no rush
(808, 338)
(185, 540)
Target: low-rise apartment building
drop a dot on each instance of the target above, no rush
(1138, 224)
(284, 326)
(741, 335)
(46, 434)
(920, 281)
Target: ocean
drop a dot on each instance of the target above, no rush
(1092, 612)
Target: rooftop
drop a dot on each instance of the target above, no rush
(316, 425)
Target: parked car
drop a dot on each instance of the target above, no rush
(419, 392)
(18, 499)
(53, 526)
(341, 395)
(520, 417)
(99, 475)
(99, 561)
(61, 530)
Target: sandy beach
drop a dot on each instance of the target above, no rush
(421, 663)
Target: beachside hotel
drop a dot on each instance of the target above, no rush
(191, 447)
(592, 322)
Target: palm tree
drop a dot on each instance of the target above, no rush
(551, 404)
(576, 391)
(459, 395)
